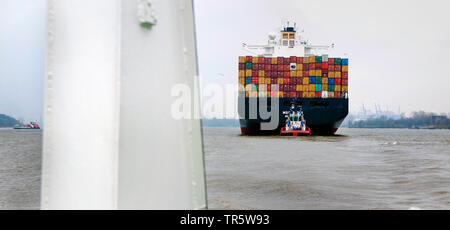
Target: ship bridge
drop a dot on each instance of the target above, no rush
(288, 42)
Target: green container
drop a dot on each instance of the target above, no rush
(318, 59)
(337, 61)
(254, 88)
(318, 80)
(331, 88)
(248, 65)
(318, 87)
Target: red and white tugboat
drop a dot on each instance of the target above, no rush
(32, 125)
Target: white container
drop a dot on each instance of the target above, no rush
(293, 66)
(324, 94)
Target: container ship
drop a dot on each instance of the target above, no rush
(292, 72)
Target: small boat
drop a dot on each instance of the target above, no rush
(295, 133)
(32, 125)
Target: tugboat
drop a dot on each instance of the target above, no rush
(32, 125)
(295, 123)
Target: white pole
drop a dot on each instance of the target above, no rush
(109, 139)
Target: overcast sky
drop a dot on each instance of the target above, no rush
(398, 50)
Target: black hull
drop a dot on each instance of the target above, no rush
(323, 116)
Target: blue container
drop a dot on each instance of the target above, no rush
(312, 80)
(345, 61)
(330, 81)
(248, 80)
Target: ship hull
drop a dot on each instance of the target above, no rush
(323, 115)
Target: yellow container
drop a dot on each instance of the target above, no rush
(293, 73)
(261, 73)
(319, 73)
(312, 73)
(345, 68)
(312, 59)
(331, 74)
(337, 75)
(261, 80)
(280, 94)
(305, 60)
(324, 81)
(300, 67)
(345, 88)
(241, 73)
(242, 80)
(312, 87)
(255, 60)
(241, 60)
(325, 87)
(299, 73)
(280, 81)
(248, 73)
(247, 94)
(299, 88)
(274, 61)
(306, 81)
(267, 81)
(337, 88)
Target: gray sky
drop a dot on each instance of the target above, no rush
(398, 50)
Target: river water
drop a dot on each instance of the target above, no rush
(358, 169)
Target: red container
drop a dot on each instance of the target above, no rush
(305, 67)
(286, 74)
(274, 67)
(311, 66)
(293, 88)
(345, 82)
(325, 66)
(262, 60)
(337, 94)
(318, 94)
(344, 74)
(337, 67)
(261, 66)
(325, 71)
(273, 80)
(337, 81)
(268, 61)
(268, 74)
(331, 67)
(280, 60)
(318, 66)
(294, 81)
(293, 59)
(306, 73)
(280, 74)
(300, 60)
(300, 80)
(287, 80)
(267, 67)
(299, 94)
(280, 67)
(281, 88)
(248, 59)
(287, 67)
(269, 88)
(255, 73)
(254, 80)
(292, 94)
(331, 61)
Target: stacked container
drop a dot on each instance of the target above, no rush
(301, 77)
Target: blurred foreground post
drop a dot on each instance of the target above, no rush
(110, 141)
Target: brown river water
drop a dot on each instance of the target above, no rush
(358, 169)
